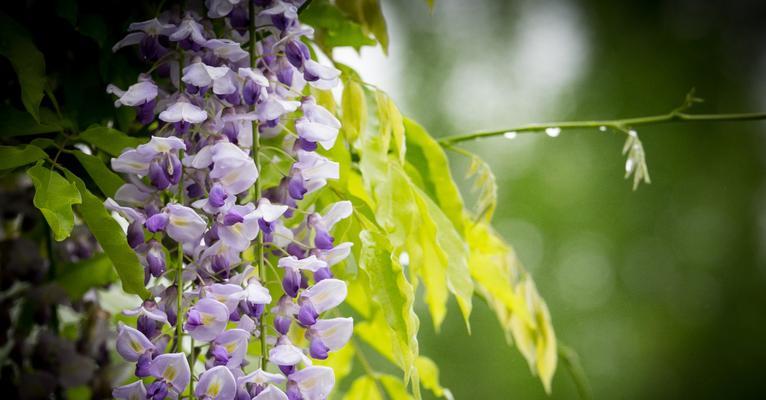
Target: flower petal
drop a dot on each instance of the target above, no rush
(217, 383)
(315, 382)
(173, 368)
(326, 294)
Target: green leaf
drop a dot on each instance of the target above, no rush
(391, 291)
(340, 361)
(571, 361)
(369, 15)
(18, 123)
(428, 158)
(110, 140)
(391, 124)
(112, 239)
(445, 256)
(395, 387)
(67, 9)
(93, 27)
(366, 388)
(17, 46)
(78, 393)
(78, 278)
(511, 293)
(429, 377)
(333, 28)
(485, 185)
(354, 107)
(12, 157)
(106, 180)
(412, 221)
(54, 197)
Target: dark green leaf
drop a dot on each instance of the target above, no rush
(18, 123)
(112, 239)
(78, 278)
(28, 62)
(12, 157)
(105, 179)
(333, 29)
(109, 140)
(67, 9)
(93, 27)
(369, 15)
(54, 197)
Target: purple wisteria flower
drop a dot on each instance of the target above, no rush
(213, 240)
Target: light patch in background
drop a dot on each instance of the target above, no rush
(373, 65)
(526, 239)
(584, 275)
(519, 80)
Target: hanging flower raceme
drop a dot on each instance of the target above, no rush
(206, 230)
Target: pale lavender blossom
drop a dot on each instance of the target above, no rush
(131, 391)
(172, 373)
(206, 319)
(217, 383)
(132, 344)
(311, 383)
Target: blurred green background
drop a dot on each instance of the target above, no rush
(660, 291)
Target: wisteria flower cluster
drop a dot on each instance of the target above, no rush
(202, 226)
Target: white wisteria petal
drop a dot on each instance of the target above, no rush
(183, 111)
(271, 393)
(131, 391)
(184, 224)
(286, 354)
(326, 294)
(315, 382)
(254, 75)
(334, 332)
(311, 263)
(217, 383)
(137, 94)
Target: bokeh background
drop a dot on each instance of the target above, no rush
(660, 291)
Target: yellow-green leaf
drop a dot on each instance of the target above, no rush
(429, 159)
(511, 293)
(485, 186)
(54, 197)
(340, 361)
(391, 124)
(354, 107)
(16, 156)
(395, 388)
(390, 290)
(429, 377)
(365, 388)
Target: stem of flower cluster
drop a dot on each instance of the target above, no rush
(257, 189)
(618, 124)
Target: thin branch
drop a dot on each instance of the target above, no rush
(618, 124)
